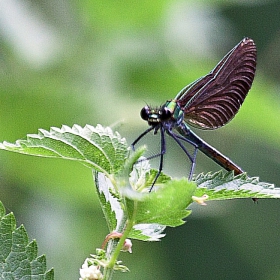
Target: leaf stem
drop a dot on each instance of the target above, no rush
(115, 245)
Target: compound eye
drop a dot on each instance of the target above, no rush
(165, 114)
(145, 113)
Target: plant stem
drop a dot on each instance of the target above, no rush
(115, 246)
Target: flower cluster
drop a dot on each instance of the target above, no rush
(90, 271)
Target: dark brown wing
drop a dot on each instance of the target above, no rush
(213, 100)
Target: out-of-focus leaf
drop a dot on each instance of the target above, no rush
(18, 256)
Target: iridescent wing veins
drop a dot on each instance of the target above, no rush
(213, 100)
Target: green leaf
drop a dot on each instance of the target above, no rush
(109, 200)
(147, 232)
(142, 176)
(165, 206)
(162, 179)
(96, 147)
(114, 212)
(18, 256)
(151, 212)
(219, 186)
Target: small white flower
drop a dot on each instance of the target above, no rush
(91, 272)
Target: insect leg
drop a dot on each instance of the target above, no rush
(192, 158)
(162, 152)
(140, 136)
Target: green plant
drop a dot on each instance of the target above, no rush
(122, 183)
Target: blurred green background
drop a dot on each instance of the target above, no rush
(67, 62)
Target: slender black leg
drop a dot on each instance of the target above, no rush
(185, 139)
(177, 139)
(162, 152)
(140, 136)
(191, 158)
(193, 164)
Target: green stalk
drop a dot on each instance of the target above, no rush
(115, 245)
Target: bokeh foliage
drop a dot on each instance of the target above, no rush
(66, 62)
